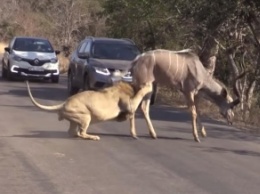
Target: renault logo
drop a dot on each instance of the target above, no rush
(36, 61)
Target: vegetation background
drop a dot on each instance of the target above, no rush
(225, 34)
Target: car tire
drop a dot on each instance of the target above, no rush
(9, 74)
(3, 71)
(55, 79)
(71, 89)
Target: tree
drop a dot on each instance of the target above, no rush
(224, 34)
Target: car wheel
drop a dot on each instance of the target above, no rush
(71, 90)
(3, 71)
(9, 74)
(55, 79)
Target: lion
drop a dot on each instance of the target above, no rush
(117, 102)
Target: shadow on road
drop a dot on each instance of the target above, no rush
(215, 129)
(139, 136)
(44, 93)
(64, 134)
(216, 132)
(166, 113)
(32, 108)
(45, 134)
(41, 89)
(235, 151)
(169, 113)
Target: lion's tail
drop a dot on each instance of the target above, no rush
(43, 107)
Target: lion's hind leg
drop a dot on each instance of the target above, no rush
(72, 131)
(80, 118)
(83, 127)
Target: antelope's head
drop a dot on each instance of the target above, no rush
(226, 109)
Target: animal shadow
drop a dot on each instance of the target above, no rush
(45, 134)
(235, 151)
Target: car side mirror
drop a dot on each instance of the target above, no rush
(7, 49)
(57, 52)
(83, 55)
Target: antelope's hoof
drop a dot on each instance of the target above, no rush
(197, 139)
(153, 135)
(135, 137)
(203, 132)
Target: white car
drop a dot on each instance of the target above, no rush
(30, 57)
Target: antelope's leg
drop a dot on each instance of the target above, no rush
(191, 105)
(73, 129)
(145, 108)
(135, 101)
(201, 127)
(132, 126)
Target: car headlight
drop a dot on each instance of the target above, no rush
(17, 58)
(54, 60)
(101, 70)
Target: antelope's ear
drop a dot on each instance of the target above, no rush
(224, 92)
(234, 103)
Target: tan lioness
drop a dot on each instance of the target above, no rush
(117, 102)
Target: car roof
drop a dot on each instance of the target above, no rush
(31, 37)
(115, 40)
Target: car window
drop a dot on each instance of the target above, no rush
(82, 47)
(114, 51)
(11, 43)
(33, 45)
(87, 48)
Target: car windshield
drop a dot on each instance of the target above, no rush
(114, 51)
(33, 45)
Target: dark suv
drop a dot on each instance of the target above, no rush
(97, 63)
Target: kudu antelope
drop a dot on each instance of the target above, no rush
(184, 70)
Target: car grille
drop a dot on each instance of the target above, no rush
(36, 62)
(35, 72)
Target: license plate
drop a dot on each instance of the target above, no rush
(116, 79)
(35, 69)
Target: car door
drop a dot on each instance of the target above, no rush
(6, 54)
(83, 61)
(77, 62)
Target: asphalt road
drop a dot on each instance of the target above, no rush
(37, 156)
